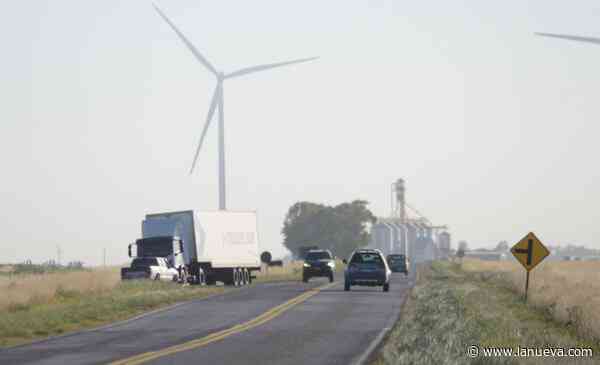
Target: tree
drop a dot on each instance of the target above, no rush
(462, 249)
(502, 246)
(341, 229)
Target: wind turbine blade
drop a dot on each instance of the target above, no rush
(189, 44)
(211, 111)
(247, 70)
(571, 37)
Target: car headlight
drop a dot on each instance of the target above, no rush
(331, 264)
(306, 265)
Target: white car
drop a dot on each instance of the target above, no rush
(156, 268)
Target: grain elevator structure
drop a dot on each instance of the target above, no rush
(410, 234)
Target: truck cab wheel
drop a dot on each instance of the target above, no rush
(386, 287)
(157, 277)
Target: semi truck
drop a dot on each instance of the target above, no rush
(204, 246)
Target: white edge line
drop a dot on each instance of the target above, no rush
(366, 355)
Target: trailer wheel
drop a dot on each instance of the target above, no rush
(242, 277)
(246, 277)
(237, 277)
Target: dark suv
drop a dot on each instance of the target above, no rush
(318, 263)
(398, 263)
(367, 268)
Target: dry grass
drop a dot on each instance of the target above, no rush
(43, 289)
(290, 271)
(569, 291)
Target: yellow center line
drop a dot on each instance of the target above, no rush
(203, 341)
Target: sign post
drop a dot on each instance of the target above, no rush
(526, 286)
(529, 251)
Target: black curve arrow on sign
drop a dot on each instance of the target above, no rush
(528, 251)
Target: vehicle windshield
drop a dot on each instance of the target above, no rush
(144, 262)
(396, 259)
(319, 255)
(155, 247)
(367, 258)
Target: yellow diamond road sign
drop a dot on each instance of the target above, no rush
(529, 251)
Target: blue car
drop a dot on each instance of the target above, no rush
(398, 263)
(367, 268)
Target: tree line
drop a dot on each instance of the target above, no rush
(341, 228)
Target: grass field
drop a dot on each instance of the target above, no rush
(481, 304)
(568, 291)
(23, 291)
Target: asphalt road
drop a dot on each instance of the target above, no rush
(328, 326)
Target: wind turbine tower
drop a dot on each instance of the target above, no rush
(218, 100)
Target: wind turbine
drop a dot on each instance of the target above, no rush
(218, 99)
(571, 37)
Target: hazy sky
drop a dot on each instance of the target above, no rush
(494, 129)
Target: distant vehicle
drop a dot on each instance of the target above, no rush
(367, 267)
(318, 263)
(205, 247)
(303, 250)
(486, 255)
(398, 263)
(156, 268)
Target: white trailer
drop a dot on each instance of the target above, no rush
(217, 245)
